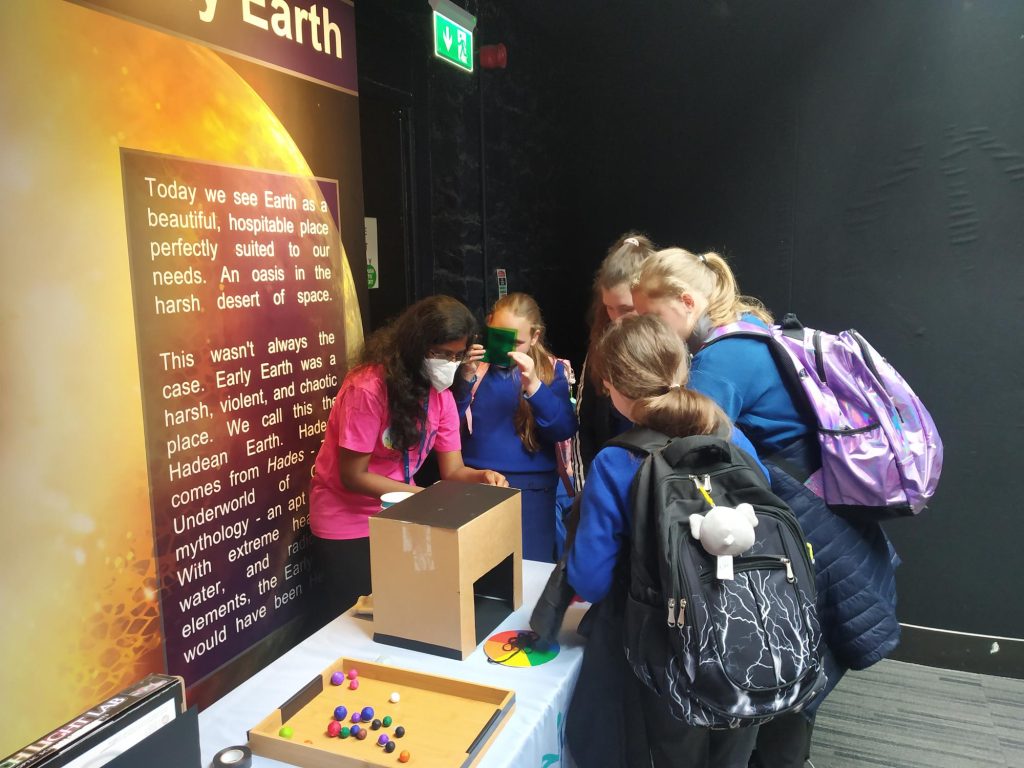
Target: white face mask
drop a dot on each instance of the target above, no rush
(440, 372)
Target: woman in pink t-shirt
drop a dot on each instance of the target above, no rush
(391, 410)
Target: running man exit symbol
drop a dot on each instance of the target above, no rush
(453, 42)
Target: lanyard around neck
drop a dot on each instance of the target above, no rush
(420, 446)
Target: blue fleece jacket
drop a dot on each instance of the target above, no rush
(740, 375)
(494, 443)
(606, 518)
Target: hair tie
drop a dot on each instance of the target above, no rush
(670, 387)
(632, 241)
(703, 258)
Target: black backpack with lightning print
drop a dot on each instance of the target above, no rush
(722, 652)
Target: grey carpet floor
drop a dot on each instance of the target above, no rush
(903, 715)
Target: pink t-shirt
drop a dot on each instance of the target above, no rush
(359, 421)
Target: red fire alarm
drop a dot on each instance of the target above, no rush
(493, 56)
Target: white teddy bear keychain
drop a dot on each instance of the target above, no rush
(725, 532)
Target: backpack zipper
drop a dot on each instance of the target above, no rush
(677, 619)
(758, 562)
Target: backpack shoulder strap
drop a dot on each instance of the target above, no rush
(641, 440)
(790, 326)
(784, 362)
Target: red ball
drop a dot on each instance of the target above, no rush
(333, 728)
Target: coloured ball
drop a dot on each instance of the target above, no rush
(354, 730)
(353, 673)
(362, 734)
(344, 732)
(333, 728)
(399, 732)
(337, 678)
(367, 713)
(394, 697)
(383, 739)
(353, 684)
(389, 747)
(286, 732)
(356, 717)
(375, 725)
(340, 713)
(404, 757)
(386, 722)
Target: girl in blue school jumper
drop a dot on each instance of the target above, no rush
(643, 366)
(854, 561)
(514, 415)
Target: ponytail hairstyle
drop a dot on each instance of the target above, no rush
(621, 265)
(644, 360)
(525, 308)
(674, 271)
(400, 348)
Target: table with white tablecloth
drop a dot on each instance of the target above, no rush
(532, 737)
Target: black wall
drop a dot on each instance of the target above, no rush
(492, 141)
(861, 163)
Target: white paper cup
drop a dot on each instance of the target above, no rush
(392, 498)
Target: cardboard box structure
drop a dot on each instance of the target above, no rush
(447, 567)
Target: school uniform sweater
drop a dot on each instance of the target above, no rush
(740, 375)
(494, 443)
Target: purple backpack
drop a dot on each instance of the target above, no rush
(881, 455)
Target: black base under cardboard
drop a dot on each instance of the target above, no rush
(488, 613)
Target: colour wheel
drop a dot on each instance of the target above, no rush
(515, 649)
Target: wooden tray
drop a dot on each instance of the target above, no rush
(449, 723)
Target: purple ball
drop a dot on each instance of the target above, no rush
(382, 739)
(356, 717)
(337, 678)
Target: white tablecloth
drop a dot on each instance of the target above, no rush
(532, 738)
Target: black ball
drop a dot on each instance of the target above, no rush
(399, 732)
(389, 747)
(375, 725)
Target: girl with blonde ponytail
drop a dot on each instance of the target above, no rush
(643, 366)
(694, 294)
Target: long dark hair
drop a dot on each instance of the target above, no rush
(400, 348)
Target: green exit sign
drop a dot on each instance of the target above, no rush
(453, 42)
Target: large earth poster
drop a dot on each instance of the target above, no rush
(177, 226)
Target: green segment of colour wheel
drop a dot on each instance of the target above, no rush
(498, 342)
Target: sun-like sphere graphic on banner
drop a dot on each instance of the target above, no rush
(78, 85)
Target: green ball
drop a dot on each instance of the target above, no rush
(286, 732)
(386, 721)
(344, 731)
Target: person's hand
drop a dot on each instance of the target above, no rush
(527, 371)
(469, 365)
(490, 477)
